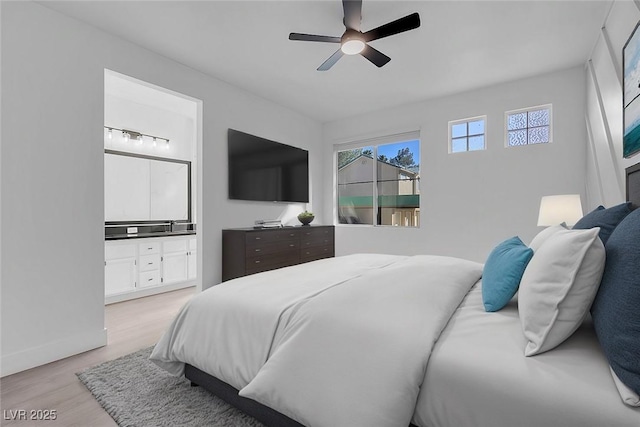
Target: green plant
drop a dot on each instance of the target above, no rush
(305, 214)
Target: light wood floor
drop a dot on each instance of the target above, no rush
(131, 326)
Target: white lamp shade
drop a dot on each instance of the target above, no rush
(555, 210)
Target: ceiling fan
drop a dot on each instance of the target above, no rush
(354, 41)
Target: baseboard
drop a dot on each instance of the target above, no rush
(145, 292)
(50, 352)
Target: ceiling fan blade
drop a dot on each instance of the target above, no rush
(331, 61)
(313, 38)
(401, 25)
(375, 56)
(352, 13)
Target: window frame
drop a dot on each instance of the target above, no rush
(372, 142)
(528, 110)
(452, 123)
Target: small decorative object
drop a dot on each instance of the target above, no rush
(306, 217)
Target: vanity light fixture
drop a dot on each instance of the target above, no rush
(139, 137)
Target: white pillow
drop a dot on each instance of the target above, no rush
(558, 287)
(628, 396)
(542, 236)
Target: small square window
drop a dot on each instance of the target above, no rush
(528, 126)
(467, 134)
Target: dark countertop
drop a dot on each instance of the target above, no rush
(150, 234)
(286, 227)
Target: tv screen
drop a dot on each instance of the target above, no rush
(264, 170)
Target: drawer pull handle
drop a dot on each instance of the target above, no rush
(149, 263)
(149, 248)
(257, 238)
(258, 262)
(148, 280)
(258, 250)
(307, 253)
(292, 245)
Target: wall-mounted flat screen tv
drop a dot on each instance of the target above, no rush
(264, 170)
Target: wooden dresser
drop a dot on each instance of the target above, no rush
(247, 251)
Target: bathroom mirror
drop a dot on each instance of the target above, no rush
(145, 189)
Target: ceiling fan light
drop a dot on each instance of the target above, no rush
(352, 46)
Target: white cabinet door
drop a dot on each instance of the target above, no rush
(174, 267)
(193, 257)
(193, 266)
(119, 275)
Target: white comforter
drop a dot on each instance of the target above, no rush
(337, 342)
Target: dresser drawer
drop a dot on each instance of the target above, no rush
(149, 278)
(259, 238)
(149, 262)
(316, 232)
(316, 252)
(149, 248)
(271, 261)
(319, 240)
(267, 248)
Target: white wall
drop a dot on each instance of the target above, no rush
(127, 114)
(605, 164)
(52, 174)
(472, 201)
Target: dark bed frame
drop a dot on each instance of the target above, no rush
(229, 394)
(273, 418)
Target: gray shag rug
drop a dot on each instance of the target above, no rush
(137, 393)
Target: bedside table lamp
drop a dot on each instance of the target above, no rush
(561, 208)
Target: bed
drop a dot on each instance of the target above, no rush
(385, 340)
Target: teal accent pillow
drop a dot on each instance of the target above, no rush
(606, 219)
(502, 273)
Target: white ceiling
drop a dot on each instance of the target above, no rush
(461, 45)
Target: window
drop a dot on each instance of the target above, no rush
(528, 126)
(467, 134)
(378, 181)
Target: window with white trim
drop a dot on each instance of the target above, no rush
(378, 181)
(529, 126)
(467, 134)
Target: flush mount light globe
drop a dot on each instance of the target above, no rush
(351, 42)
(352, 47)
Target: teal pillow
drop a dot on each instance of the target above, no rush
(502, 273)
